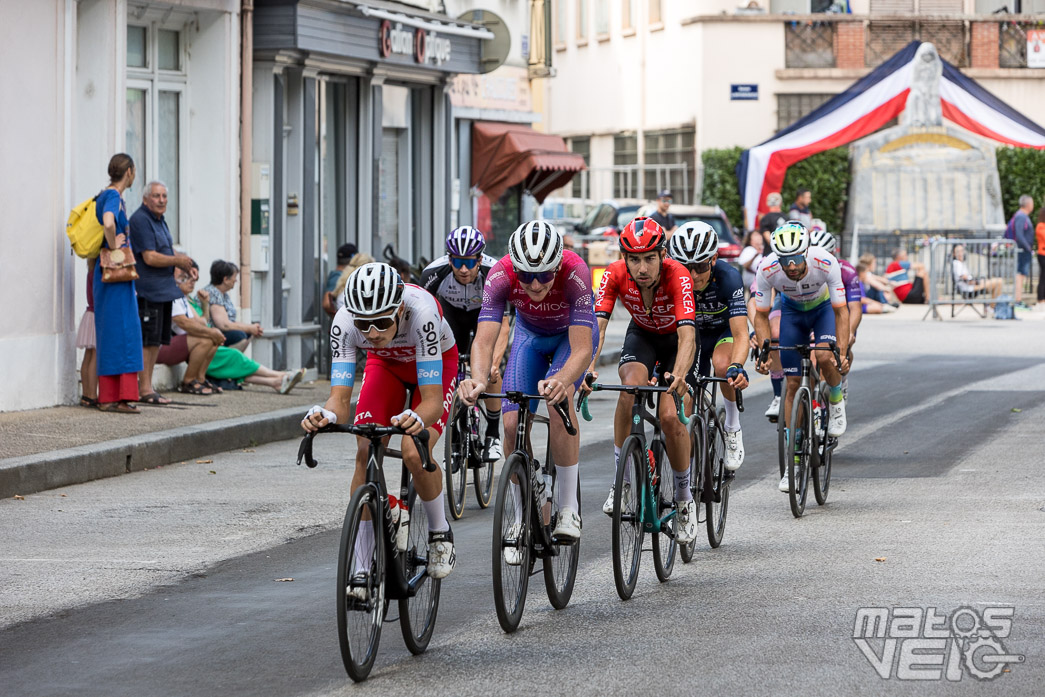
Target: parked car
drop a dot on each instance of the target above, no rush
(564, 213)
(609, 217)
(728, 247)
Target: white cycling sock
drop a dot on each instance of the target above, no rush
(682, 492)
(732, 416)
(566, 483)
(436, 513)
(364, 547)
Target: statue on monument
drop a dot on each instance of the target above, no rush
(923, 103)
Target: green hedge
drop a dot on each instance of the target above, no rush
(1021, 171)
(825, 174)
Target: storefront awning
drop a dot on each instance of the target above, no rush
(507, 154)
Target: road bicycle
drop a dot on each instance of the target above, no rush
(709, 480)
(649, 506)
(810, 449)
(464, 449)
(396, 565)
(525, 514)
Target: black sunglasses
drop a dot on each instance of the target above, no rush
(702, 267)
(379, 323)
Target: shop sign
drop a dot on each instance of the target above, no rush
(1036, 48)
(425, 47)
(506, 88)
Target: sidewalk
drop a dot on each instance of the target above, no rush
(43, 449)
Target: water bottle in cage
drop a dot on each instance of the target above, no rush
(653, 476)
(817, 416)
(401, 519)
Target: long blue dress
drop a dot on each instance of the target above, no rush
(116, 322)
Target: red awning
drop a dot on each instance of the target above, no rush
(506, 154)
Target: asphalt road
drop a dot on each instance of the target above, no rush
(936, 502)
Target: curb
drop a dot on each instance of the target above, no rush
(50, 470)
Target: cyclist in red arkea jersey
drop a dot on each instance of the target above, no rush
(658, 292)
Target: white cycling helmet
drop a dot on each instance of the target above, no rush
(820, 237)
(790, 238)
(374, 289)
(694, 242)
(535, 246)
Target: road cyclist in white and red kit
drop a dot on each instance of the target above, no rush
(809, 280)
(554, 341)
(409, 347)
(658, 293)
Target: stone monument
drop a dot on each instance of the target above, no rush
(924, 174)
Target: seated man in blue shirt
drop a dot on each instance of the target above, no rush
(155, 261)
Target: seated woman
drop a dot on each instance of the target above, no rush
(875, 287)
(221, 309)
(965, 283)
(871, 305)
(224, 363)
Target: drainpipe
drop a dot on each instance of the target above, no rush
(246, 116)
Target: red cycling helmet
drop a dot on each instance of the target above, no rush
(641, 235)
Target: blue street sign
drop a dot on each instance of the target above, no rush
(743, 92)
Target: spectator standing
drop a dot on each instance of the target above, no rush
(155, 260)
(118, 332)
(85, 340)
(750, 256)
(1023, 232)
(773, 217)
(1039, 233)
(344, 255)
(222, 310)
(664, 219)
(800, 208)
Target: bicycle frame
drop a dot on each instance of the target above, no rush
(397, 584)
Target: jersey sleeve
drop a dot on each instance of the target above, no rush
(579, 295)
(835, 287)
(430, 278)
(763, 291)
(427, 324)
(495, 294)
(731, 291)
(851, 280)
(609, 288)
(343, 350)
(682, 299)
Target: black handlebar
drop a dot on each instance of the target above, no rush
(701, 379)
(521, 399)
(763, 355)
(371, 431)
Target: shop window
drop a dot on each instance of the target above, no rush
(625, 165)
(581, 146)
(155, 115)
(560, 23)
(602, 19)
(670, 158)
(582, 22)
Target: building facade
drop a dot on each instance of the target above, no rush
(644, 86)
(97, 77)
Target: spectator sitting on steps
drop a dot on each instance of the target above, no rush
(899, 274)
(221, 309)
(193, 342)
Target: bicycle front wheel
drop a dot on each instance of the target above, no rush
(799, 451)
(664, 545)
(361, 583)
(560, 566)
(417, 613)
(455, 456)
(511, 542)
(717, 485)
(696, 470)
(627, 516)
(781, 436)
(822, 471)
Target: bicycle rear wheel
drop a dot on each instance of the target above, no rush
(417, 613)
(511, 538)
(455, 457)
(822, 471)
(664, 546)
(627, 517)
(359, 620)
(560, 570)
(696, 447)
(799, 451)
(718, 485)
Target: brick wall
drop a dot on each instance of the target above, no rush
(984, 44)
(849, 45)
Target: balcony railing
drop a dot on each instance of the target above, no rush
(884, 38)
(809, 45)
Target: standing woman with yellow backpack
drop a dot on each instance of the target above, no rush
(117, 326)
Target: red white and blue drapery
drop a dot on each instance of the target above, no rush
(866, 106)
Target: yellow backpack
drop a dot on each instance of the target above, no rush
(84, 231)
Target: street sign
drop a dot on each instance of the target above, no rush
(743, 93)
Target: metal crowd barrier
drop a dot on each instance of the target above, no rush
(985, 258)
